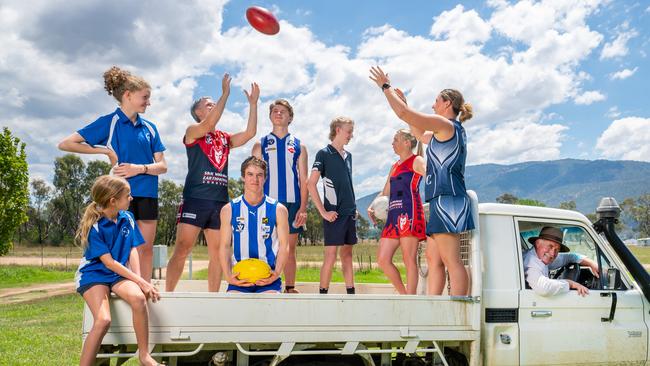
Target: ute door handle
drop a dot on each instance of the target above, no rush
(541, 314)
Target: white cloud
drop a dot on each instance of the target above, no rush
(461, 26)
(613, 113)
(622, 74)
(618, 47)
(589, 97)
(172, 45)
(627, 139)
(515, 141)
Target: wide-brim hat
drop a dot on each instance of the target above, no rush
(553, 234)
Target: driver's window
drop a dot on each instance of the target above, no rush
(575, 238)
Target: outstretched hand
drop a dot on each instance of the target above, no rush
(379, 76)
(254, 95)
(225, 84)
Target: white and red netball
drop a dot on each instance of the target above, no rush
(380, 207)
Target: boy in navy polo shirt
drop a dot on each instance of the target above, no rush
(339, 211)
(134, 149)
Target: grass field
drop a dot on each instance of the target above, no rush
(17, 276)
(45, 332)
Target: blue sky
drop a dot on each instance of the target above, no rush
(548, 79)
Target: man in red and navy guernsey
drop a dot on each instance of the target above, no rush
(206, 184)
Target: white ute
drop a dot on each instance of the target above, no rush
(502, 322)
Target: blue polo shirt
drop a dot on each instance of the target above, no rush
(336, 173)
(133, 143)
(106, 236)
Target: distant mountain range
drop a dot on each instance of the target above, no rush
(555, 181)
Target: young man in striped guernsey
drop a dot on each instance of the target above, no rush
(257, 227)
(286, 158)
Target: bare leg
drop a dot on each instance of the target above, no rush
(132, 294)
(449, 249)
(329, 259)
(214, 267)
(186, 235)
(290, 264)
(409, 246)
(346, 264)
(436, 276)
(385, 253)
(97, 299)
(145, 251)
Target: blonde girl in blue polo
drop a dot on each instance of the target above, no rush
(109, 237)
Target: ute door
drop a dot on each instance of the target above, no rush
(568, 329)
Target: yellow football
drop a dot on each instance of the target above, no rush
(251, 270)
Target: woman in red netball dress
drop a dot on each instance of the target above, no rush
(405, 224)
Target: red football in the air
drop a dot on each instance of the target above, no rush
(262, 20)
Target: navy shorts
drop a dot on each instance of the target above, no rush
(110, 285)
(293, 212)
(340, 232)
(450, 214)
(144, 208)
(274, 286)
(200, 213)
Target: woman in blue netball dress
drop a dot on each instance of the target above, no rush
(449, 207)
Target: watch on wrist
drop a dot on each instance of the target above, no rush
(385, 86)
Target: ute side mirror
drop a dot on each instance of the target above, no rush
(613, 279)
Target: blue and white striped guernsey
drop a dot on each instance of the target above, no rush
(281, 155)
(254, 233)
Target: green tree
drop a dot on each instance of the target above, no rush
(314, 232)
(170, 196)
(41, 195)
(14, 194)
(507, 198)
(639, 210)
(568, 205)
(95, 169)
(363, 228)
(235, 187)
(71, 195)
(530, 202)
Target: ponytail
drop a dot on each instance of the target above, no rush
(92, 214)
(419, 150)
(466, 112)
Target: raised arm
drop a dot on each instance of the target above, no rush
(240, 138)
(198, 130)
(77, 144)
(427, 122)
